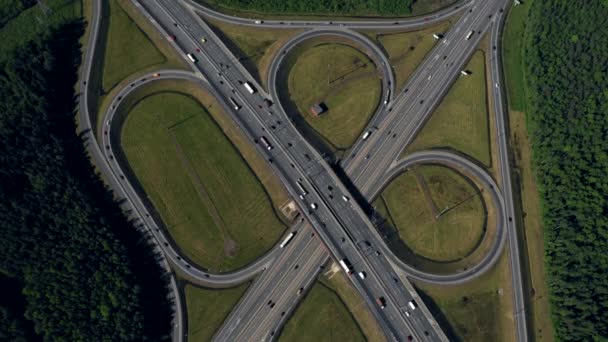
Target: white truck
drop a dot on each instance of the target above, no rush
(249, 87)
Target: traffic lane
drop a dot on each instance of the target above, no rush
(424, 87)
(266, 308)
(283, 296)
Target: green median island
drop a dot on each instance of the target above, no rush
(208, 308)
(461, 120)
(437, 212)
(322, 316)
(212, 203)
(336, 88)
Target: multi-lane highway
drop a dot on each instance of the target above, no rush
(314, 173)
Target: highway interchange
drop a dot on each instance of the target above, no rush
(293, 158)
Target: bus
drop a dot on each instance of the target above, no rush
(234, 104)
(346, 266)
(287, 239)
(249, 87)
(265, 143)
(469, 35)
(302, 189)
(191, 57)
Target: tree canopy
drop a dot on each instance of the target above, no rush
(87, 274)
(567, 73)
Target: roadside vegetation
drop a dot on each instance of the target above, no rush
(460, 122)
(436, 211)
(84, 271)
(208, 308)
(126, 35)
(531, 217)
(213, 205)
(567, 111)
(342, 78)
(254, 47)
(479, 310)
(318, 7)
(321, 316)
(406, 50)
(354, 303)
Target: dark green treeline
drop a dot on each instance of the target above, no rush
(567, 73)
(84, 272)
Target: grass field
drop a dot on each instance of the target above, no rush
(129, 37)
(215, 208)
(321, 316)
(428, 6)
(478, 311)
(355, 304)
(255, 47)
(438, 214)
(128, 49)
(208, 308)
(406, 50)
(35, 21)
(461, 120)
(513, 41)
(342, 78)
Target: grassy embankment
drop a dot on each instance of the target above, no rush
(406, 50)
(437, 212)
(207, 195)
(130, 46)
(531, 224)
(254, 47)
(322, 316)
(345, 80)
(461, 120)
(208, 308)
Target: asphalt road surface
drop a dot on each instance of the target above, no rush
(401, 105)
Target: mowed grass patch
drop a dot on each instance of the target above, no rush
(461, 120)
(478, 311)
(342, 78)
(406, 50)
(254, 47)
(213, 205)
(321, 316)
(207, 309)
(513, 58)
(127, 49)
(355, 305)
(439, 215)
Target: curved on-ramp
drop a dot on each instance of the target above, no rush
(460, 164)
(111, 131)
(364, 23)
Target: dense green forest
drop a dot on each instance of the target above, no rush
(567, 73)
(82, 269)
(340, 7)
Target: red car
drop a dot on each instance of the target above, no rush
(171, 38)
